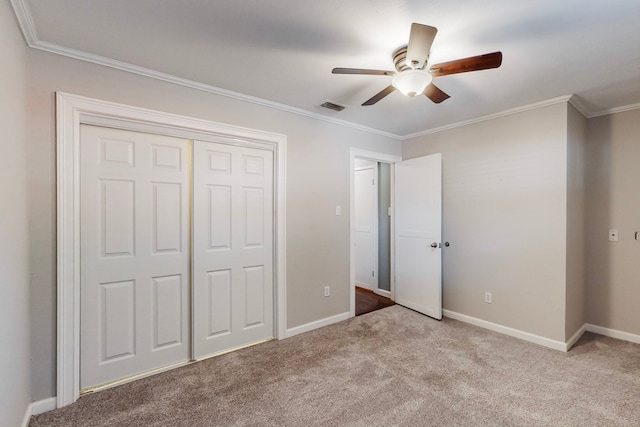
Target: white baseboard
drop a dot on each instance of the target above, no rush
(317, 324)
(575, 337)
(364, 286)
(27, 417)
(537, 339)
(36, 408)
(383, 293)
(625, 336)
(42, 406)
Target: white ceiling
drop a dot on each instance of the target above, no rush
(283, 51)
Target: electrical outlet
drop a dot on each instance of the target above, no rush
(487, 297)
(327, 291)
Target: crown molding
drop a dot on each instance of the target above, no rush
(170, 78)
(614, 110)
(28, 28)
(552, 101)
(579, 105)
(25, 21)
(577, 102)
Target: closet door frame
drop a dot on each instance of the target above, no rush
(71, 112)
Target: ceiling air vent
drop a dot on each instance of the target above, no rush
(333, 106)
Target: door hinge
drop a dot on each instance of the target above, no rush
(373, 182)
(372, 273)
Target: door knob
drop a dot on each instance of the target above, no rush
(434, 245)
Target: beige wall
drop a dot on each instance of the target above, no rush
(613, 202)
(511, 197)
(504, 212)
(317, 181)
(576, 226)
(15, 392)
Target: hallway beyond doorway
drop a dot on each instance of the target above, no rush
(367, 301)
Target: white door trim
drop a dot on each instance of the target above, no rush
(376, 157)
(71, 111)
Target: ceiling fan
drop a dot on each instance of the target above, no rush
(412, 77)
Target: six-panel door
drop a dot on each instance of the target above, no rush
(140, 309)
(134, 243)
(232, 247)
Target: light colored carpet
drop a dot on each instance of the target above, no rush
(392, 367)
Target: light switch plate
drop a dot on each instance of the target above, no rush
(338, 210)
(613, 235)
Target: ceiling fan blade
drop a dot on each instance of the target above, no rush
(435, 94)
(473, 63)
(420, 41)
(378, 96)
(362, 71)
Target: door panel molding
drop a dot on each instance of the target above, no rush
(137, 236)
(71, 112)
(242, 229)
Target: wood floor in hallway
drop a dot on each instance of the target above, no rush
(368, 301)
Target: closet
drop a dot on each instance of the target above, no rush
(176, 251)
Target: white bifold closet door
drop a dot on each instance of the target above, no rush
(151, 297)
(232, 247)
(134, 243)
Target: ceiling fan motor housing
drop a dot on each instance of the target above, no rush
(399, 57)
(412, 77)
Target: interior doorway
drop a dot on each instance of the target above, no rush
(366, 224)
(371, 231)
(367, 301)
(416, 224)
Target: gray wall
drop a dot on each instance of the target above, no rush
(15, 393)
(576, 225)
(384, 226)
(506, 209)
(504, 212)
(613, 179)
(317, 180)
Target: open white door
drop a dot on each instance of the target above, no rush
(418, 223)
(365, 227)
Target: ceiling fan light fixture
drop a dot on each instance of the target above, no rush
(412, 82)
